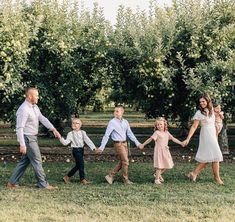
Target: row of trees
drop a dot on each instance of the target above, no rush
(157, 61)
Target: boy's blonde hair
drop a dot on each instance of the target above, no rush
(75, 119)
(161, 119)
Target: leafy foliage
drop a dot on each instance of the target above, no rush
(64, 57)
(157, 62)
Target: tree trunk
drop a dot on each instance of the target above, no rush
(223, 140)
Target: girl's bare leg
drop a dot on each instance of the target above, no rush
(158, 173)
(158, 176)
(193, 175)
(161, 178)
(215, 167)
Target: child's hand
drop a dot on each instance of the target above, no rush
(185, 142)
(221, 114)
(98, 151)
(182, 144)
(141, 146)
(56, 133)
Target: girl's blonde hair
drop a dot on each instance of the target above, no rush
(161, 119)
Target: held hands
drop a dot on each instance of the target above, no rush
(185, 142)
(56, 133)
(23, 149)
(98, 151)
(141, 146)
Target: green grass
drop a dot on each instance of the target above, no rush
(107, 115)
(176, 200)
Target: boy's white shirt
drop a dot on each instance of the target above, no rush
(80, 138)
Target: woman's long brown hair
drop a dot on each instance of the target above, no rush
(209, 104)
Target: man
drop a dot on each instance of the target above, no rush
(119, 129)
(28, 117)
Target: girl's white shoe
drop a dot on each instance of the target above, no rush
(158, 182)
(160, 178)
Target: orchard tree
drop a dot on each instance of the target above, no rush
(15, 35)
(140, 76)
(164, 60)
(208, 65)
(65, 56)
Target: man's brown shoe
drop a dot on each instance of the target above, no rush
(10, 185)
(49, 187)
(85, 182)
(66, 179)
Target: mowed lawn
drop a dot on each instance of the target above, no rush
(177, 200)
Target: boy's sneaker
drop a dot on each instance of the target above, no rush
(85, 182)
(157, 182)
(128, 182)
(109, 179)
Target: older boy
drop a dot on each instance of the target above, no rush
(119, 129)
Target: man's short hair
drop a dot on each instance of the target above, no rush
(29, 89)
(119, 106)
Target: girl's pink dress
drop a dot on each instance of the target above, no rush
(162, 157)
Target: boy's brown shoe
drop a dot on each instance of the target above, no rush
(85, 182)
(109, 179)
(66, 179)
(11, 185)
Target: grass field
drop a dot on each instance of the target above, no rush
(177, 200)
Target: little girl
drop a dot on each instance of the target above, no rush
(162, 156)
(219, 116)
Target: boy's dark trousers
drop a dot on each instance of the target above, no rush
(78, 153)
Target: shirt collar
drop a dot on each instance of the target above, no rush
(29, 104)
(119, 120)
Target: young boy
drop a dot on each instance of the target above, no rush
(76, 139)
(119, 129)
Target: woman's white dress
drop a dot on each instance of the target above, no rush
(208, 150)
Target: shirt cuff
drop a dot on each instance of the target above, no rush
(93, 148)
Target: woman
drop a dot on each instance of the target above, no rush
(208, 150)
